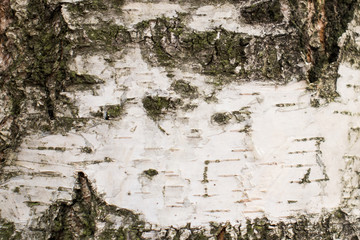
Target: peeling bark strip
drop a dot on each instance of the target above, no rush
(81, 219)
(322, 24)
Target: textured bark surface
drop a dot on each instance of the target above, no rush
(182, 119)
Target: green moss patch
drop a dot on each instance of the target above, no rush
(221, 118)
(185, 89)
(82, 79)
(114, 111)
(86, 150)
(109, 111)
(109, 37)
(151, 172)
(157, 106)
(32, 204)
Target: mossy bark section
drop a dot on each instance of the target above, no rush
(79, 219)
(8, 230)
(219, 52)
(103, 37)
(40, 50)
(320, 24)
(84, 7)
(350, 52)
